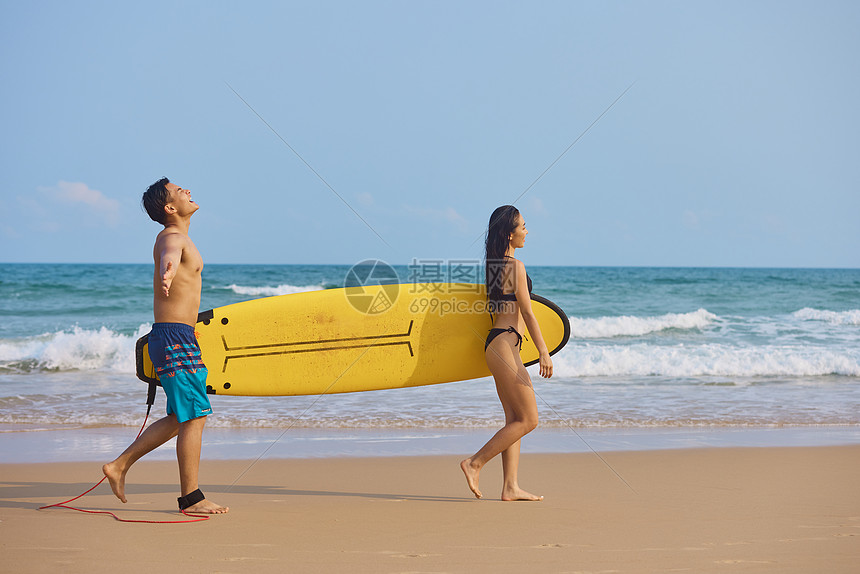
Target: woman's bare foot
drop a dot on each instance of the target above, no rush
(116, 478)
(518, 493)
(472, 474)
(206, 507)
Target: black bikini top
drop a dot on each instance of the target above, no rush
(513, 296)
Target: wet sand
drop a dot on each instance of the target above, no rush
(698, 510)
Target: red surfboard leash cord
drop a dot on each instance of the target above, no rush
(194, 517)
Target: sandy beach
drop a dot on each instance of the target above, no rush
(698, 510)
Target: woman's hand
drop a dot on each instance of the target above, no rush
(545, 365)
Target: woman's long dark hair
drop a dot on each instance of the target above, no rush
(503, 222)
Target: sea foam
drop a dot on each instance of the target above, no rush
(272, 291)
(851, 317)
(73, 349)
(626, 326)
(590, 360)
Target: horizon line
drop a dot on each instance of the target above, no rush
(444, 260)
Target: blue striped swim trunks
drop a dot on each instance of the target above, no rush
(176, 356)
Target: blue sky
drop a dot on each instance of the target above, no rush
(737, 144)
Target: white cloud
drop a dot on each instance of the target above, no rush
(6, 230)
(33, 215)
(81, 194)
(9, 232)
(536, 206)
(691, 220)
(774, 224)
(447, 215)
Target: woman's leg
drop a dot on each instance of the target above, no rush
(511, 455)
(517, 396)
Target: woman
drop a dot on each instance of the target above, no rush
(508, 297)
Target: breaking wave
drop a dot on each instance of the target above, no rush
(267, 291)
(589, 360)
(851, 317)
(74, 349)
(627, 326)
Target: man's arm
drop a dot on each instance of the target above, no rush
(169, 254)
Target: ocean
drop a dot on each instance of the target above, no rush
(654, 352)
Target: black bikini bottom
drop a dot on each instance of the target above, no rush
(496, 332)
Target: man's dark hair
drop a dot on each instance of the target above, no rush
(155, 198)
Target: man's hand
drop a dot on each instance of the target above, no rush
(167, 278)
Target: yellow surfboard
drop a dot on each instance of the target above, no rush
(353, 339)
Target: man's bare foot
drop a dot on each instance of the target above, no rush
(519, 494)
(206, 507)
(116, 477)
(471, 476)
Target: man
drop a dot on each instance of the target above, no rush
(173, 349)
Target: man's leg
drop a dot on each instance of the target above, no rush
(153, 437)
(188, 445)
